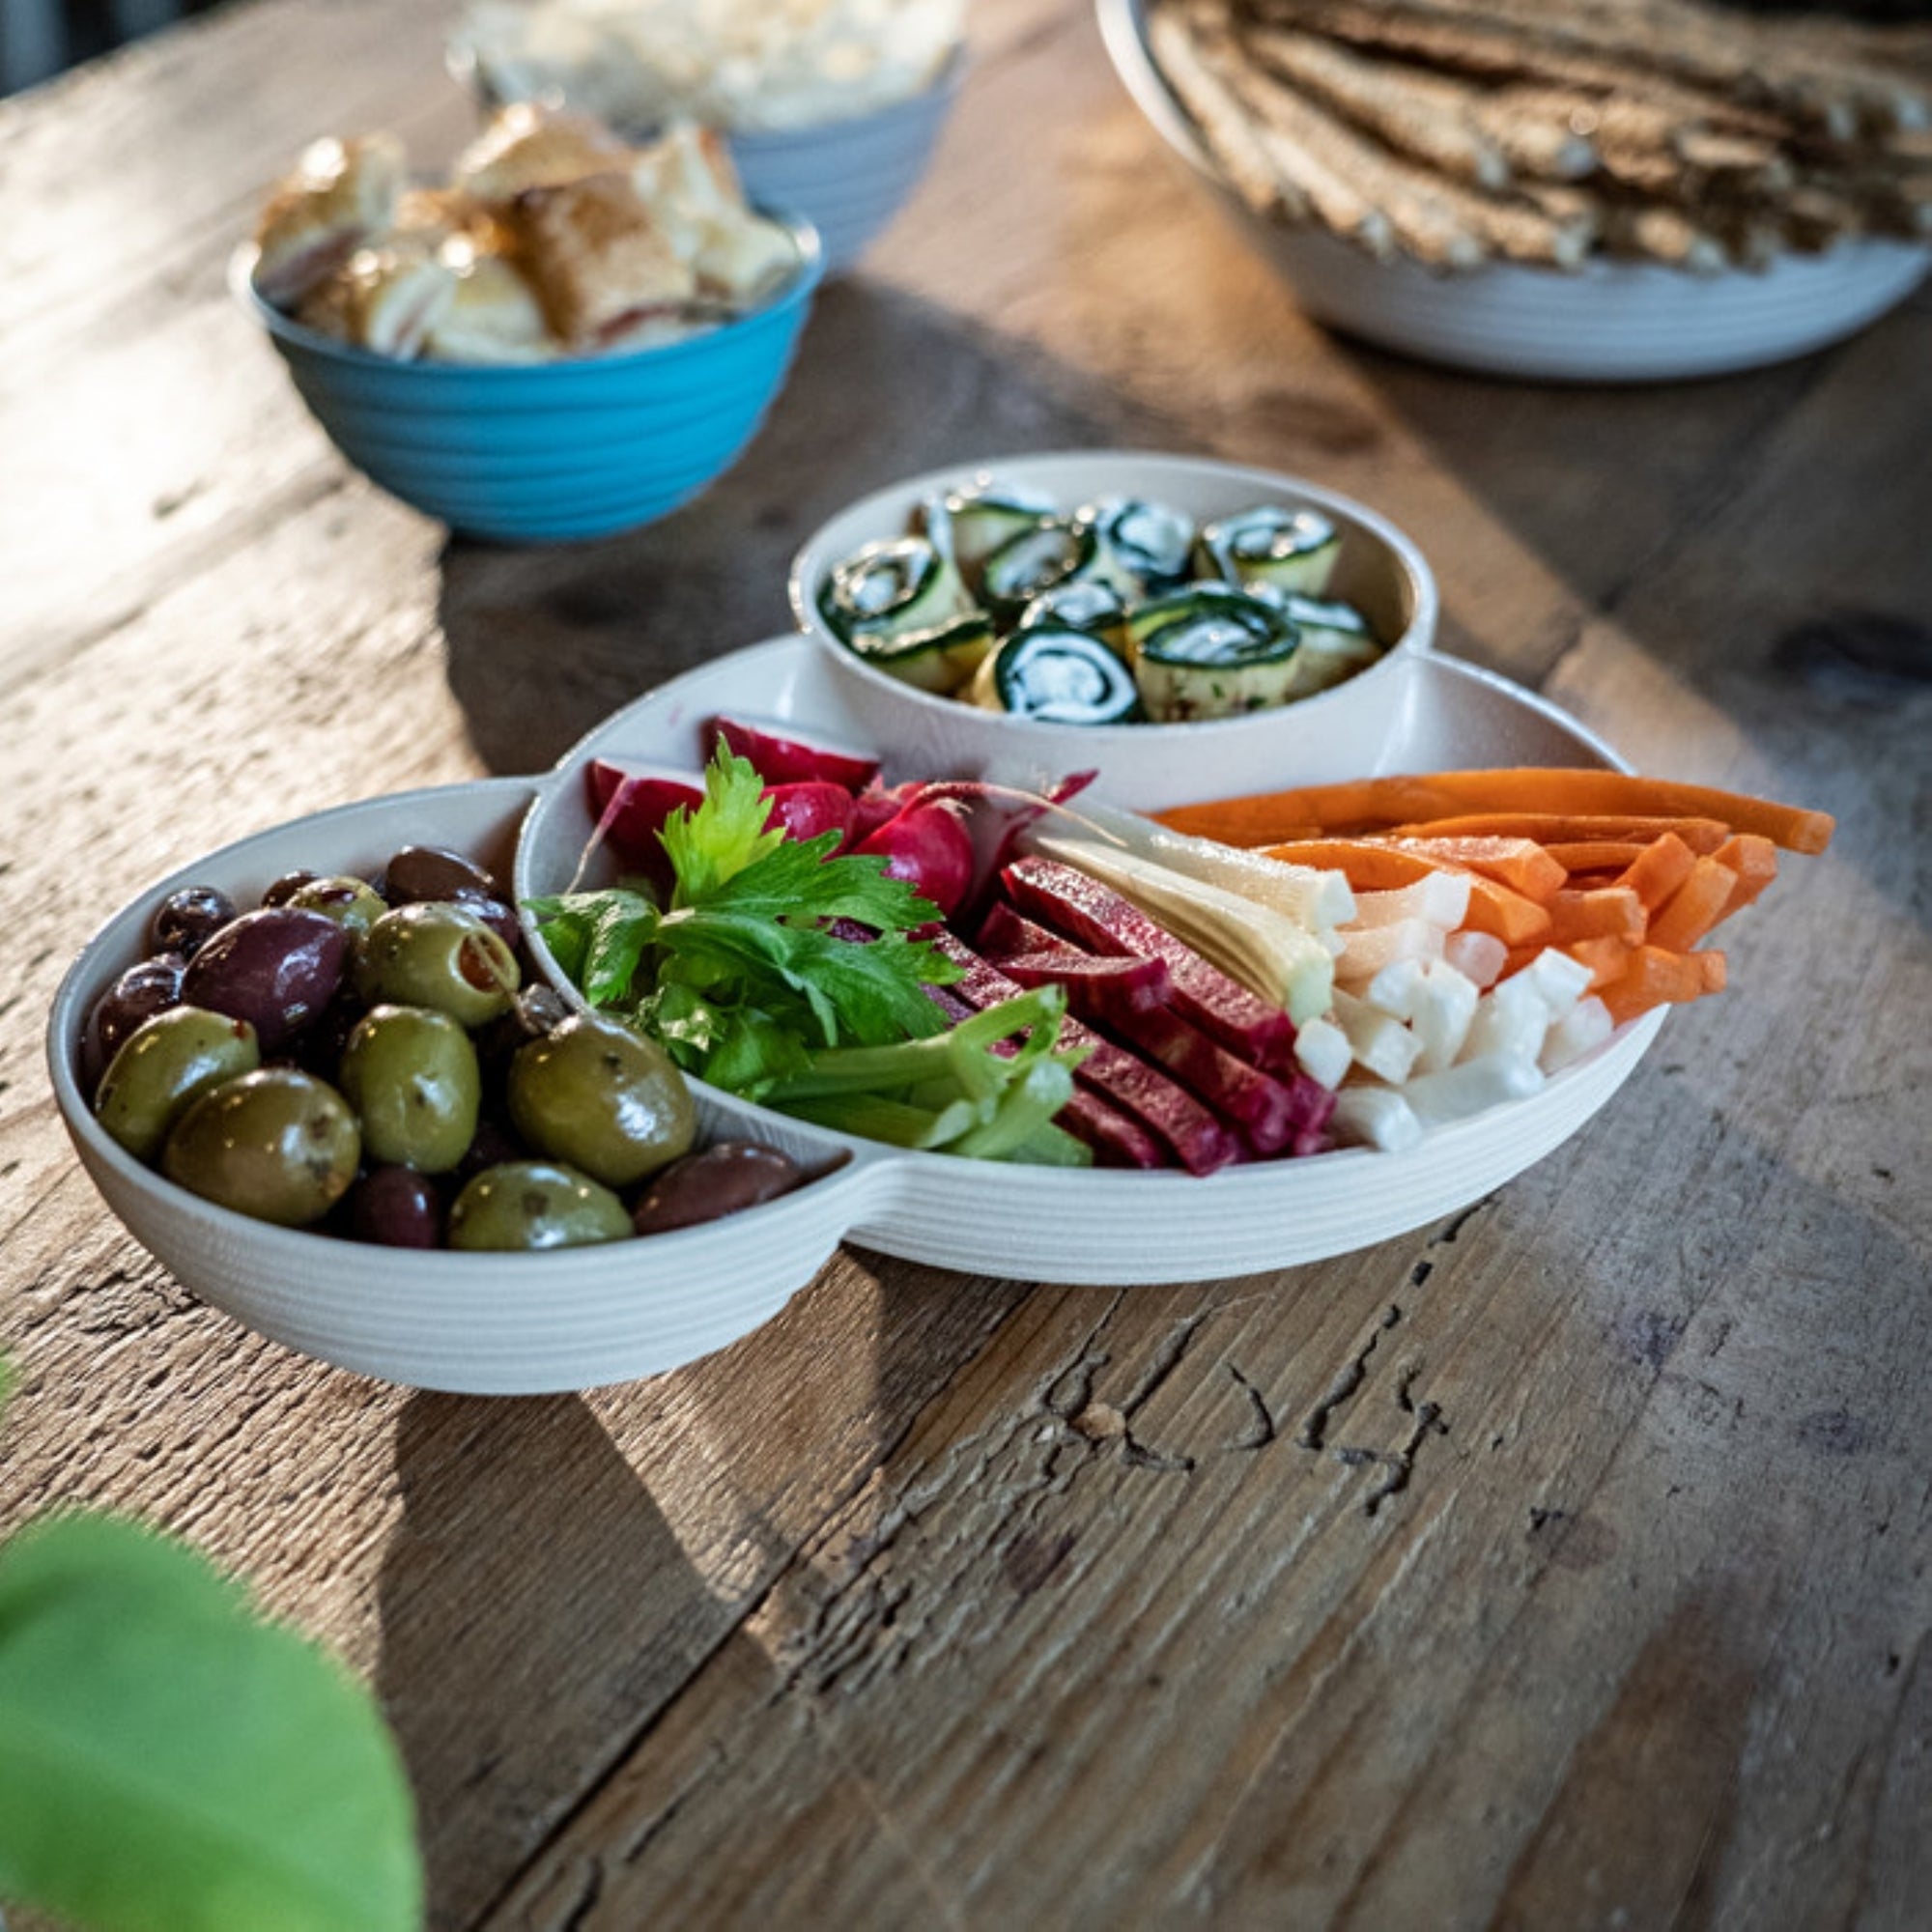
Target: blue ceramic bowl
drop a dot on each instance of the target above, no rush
(548, 452)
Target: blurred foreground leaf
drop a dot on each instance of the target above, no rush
(171, 1763)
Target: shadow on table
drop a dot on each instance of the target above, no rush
(545, 643)
(529, 1558)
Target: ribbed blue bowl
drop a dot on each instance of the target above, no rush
(549, 452)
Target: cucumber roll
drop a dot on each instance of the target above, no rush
(1060, 676)
(1336, 642)
(887, 590)
(969, 523)
(939, 660)
(1146, 549)
(1212, 651)
(1056, 550)
(1085, 605)
(1292, 549)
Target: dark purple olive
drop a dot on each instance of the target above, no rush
(184, 920)
(495, 914)
(395, 1207)
(148, 987)
(430, 872)
(534, 1011)
(724, 1178)
(495, 1144)
(278, 969)
(288, 886)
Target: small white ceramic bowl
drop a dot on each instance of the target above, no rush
(1336, 732)
(478, 1324)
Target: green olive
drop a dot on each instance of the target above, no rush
(437, 955)
(350, 902)
(411, 1074)
(161, 1069)
(535, 1204)
(277, 1145)
(593, 1093)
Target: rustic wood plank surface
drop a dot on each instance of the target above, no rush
(1563, 1565)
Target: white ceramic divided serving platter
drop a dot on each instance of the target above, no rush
(1609, 322)
(579, 1317)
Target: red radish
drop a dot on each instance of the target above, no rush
(780, 760)
(876, 805)
(632, 807)
(810, 809)
(927, 846)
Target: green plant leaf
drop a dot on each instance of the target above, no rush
(171, 1763)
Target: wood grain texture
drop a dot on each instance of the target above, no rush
(1564, 1564)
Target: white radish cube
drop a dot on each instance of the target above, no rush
(1366, 951)
(1478, 955)
(1586, 1026)
(1377, 1115)
(1394, 988)
(1457, 1092)
(1560, 981)
(1442, 898)
(1384, 1045)
(1511, 1019)
(1440, 1014)
(1323, 1052)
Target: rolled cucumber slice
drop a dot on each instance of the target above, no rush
(1211, 651)
(891, 589)
(1292, 549)
(1056, 550)
(940, 659)
(1336, 642)
(1147, 545)
(972, 521)
(1060, 676)
(1084, 604)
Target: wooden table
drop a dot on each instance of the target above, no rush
(1561, 1565)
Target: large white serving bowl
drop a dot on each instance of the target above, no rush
(479, 1323)
(1049, 1224)
(1146, 766)
(1607, 321)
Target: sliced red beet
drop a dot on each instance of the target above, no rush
(1099, 919)
(1133, 986)
(927, 846)
(1167, 1111)
(810, 809)
(786, 760)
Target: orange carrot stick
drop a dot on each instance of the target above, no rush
(1654, 978)
(1550, 828)
(1520, 864)
(1605, 958)
(1405, 800)
(1715, 970)
(1664, 865)
(1754, 862)
(1614, 856)
(1689, 912)
(1613, 911)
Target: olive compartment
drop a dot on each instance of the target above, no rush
(465, 1321)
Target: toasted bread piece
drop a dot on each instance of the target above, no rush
(693, 190)
(527, 146)
(492, 316)
(341, 196)
(386, 299)
(594, 254)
